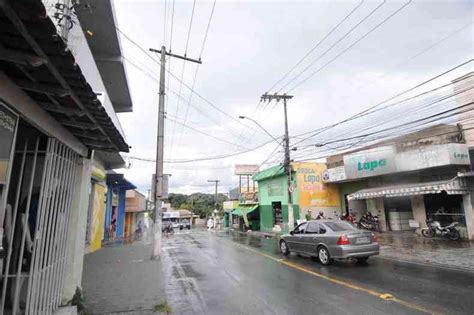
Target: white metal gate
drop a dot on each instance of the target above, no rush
(34, 270)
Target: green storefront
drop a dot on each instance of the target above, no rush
(273, 198)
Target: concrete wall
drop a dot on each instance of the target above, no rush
(77, 230)
(419, 211)
(349, 188)
(77, 42)
(469, 214)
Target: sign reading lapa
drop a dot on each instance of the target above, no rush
(312, 191)
(377, 161)
(246, 169)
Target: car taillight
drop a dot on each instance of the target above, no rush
(374, 238)
(343, 240)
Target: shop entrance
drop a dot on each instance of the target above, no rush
(445, 208)
(398, 211)
(277, 213)
(36, 211)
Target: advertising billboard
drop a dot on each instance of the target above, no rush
(313, 192)
(246, 169)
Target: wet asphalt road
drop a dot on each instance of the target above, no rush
(224, 273)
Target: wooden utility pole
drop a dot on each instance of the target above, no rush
(216, 181)
(284, 97)
(158, 188)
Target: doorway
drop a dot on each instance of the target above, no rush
(277, 213)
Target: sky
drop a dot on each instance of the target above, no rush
(249, 47)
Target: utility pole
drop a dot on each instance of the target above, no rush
(216, 181)
(284, 97)
(158, 187)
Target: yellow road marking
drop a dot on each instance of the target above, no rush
(384, 296)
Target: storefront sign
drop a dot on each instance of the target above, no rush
(312, 191)
(433, 156)
(274, 188)
(8, 123)
(371, 162)
(246, 169)
(334, 174)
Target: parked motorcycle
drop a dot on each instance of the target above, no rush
(349, 217)
(434, 227)
(369, 222)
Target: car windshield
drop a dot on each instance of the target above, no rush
(339, 226)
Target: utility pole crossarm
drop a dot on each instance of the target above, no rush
(177, 56)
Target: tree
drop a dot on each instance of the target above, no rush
(199, 203)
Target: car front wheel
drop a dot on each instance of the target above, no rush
(284, 247)
(324, 257)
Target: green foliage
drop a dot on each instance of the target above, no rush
(163, 307)
(199, 203)
(79, 301)
(308, 216)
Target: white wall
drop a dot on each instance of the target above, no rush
(77, 230)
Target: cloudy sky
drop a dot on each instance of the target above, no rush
(250, 46)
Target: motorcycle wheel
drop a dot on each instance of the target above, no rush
(429, 233)
(454, 235)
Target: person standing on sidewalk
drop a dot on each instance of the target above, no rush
(210, 223)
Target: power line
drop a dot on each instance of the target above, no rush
(334, 44)
(205, 133)
(350, 46)
(368, 110)
(438, 117)
(197, 69)
(155, 79)
(186, 85)
(317, 45)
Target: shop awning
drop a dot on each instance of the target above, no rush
(455, 186)
(244, 209)
(39, 62)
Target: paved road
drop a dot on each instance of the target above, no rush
(223, 273)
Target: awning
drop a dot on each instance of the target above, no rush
(455, 186)
(119, 181)
(244, 209)
(38, 61)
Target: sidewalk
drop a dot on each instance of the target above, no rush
(121, 278)
(413, 248)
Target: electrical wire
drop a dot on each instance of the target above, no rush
(317, 45)
(335, 44)
(197, 69)
(205, 133)
(182, 70)
(350, 46)
(367, 111)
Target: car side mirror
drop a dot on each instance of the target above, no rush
(292, 232)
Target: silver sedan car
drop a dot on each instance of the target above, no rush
(329, 240)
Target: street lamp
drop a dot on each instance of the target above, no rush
(261, 127)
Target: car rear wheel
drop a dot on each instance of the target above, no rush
(324, 257)
(284, 247)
